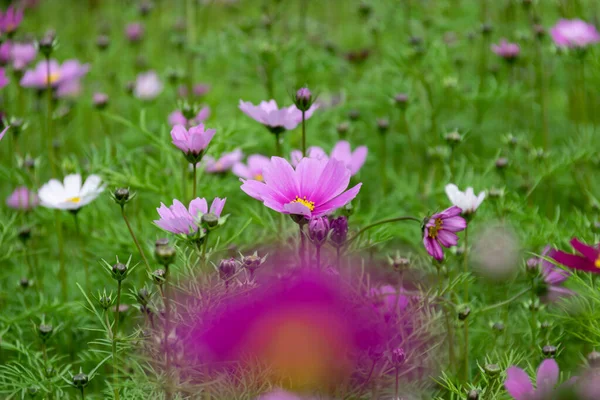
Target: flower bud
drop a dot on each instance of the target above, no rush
(33, 391)
(399, 263)
(353, 115)
(486, 29)
(143, 296)
(80, 380)
(45, 331)
(397, 357)
(463, 313)
(498, 326)
(210, 220)
(161, 242)
(496, 192)
(252, 262)
(119, 271)
(453, 138)
(105, 300)
(549, 351)
(318, 230)
(501, 163)
(121, 196)
(165, 255)
(159, 276)
(339, 231)
(102, 42)
(401, 100)
(492, 369)
(48, 43)
(383, 124)
(473, 395)
(25, 283)
(24, 233)
(227, 269)
(342, 129)
(593, 359)
(145, 8)
(100, 100)
(303, 99)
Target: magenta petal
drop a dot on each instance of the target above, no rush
(590, 252)
(337, 202)
(217, 206)
(518, 384)
(447, 238)
(297, 209)
(547, 375)
(433, 248)
(576, 262)
(454, 224)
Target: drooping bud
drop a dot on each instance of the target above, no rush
(165, 255)
(119, 271)
(227, 269)
(318, 230)
(339, 231)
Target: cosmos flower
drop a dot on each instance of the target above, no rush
(3, 78)
(574, 33)
(22, 199)
(181, 220)
(61, 77)
(312, 152)
(467, 201)
(506, 50)
(588, 261)
(253, 169)
(147, 86)
(223, 163)
(314, 188)
(22, 54)
(134, 32)
(353, 160)
(70, 195)
(553, 276)
(439, 231)
(3, 132)
(10, 20)
(177, 118)
(519, 386)
(274, 118)
(192, 142)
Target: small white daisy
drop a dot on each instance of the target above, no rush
(467, 201)
(71, 195)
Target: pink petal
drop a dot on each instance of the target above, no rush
(590, 252)
(517, 384)
(339, 201)
(547, 375)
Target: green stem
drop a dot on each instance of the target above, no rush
(85, 264)
(503, 303)
(303, 134)
(167, 326)
(49, 118)
(383, 163)
(137, 244)
(385, 221)
(204, 245)
(194, 185)
(466, 295)
(114, 342)
(62, 272)
(277, 145)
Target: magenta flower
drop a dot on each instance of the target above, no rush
(4, 132)
(192, 142)
(353, 160)
(3, 78)
(519, 386)
(223, 163)
(147, 86)
(134, 32)
(314, 188)
(10, 20)
(253, 169)
(274, 118)
(22, 54)
(62, 77)
(5, 49)
(506, 50)
(553, 277)
(312, 152)
(574, 33)
(180, 220)
(177, 118)
(439, 231)
(22, 199)
(588, 261)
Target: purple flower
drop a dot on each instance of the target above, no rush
(5, 49)
(314, 188)
(339, 230)
(192, 142)
(318, 229)
(268, 114)
(22, 54)
(353, 160)
(63, 77)
(147, 86)
(574, 33)
(519, 386)
(312, 152)
(303, 99)
(10, 21)
(439, 231)
(553, 276)
(223, 163)
(180, 220)
(253, 169)
(177, 118)
(3, 78)
(100, 100)
(506, 50)
(134, 32)
(389, 300)
(22, 199)
(589, 261)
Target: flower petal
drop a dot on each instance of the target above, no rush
(518, 384)
(547, 376)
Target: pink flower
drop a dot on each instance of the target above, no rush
(353, 160)
(312, 152)
(5, 49)
(519, 386)
(268, 114)
(10, 21)
(147, 86)
(589, 261)
(22, 199)
(63, 77)
(199, 90)
(134, 32)
(253, 169)
(506, 50)
(224, 163)
(439, 231)
(192, 142)
(574, 33)
(177, 117)
(180, 220)
(553, 277)
(388, 299)
(4, 132)
(22, 54)
(314, 188)
(3, 78)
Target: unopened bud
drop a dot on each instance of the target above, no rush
(492, 369)
(593, 359)
(80, 380)
(549, 351)
(227, 269)
(463, 313)
(383, 124)
(210, 220)
(119, 271)
(473, 395)
(45, 331)
(342, 129)
(303, 99)
(165, 255)
(501, 163)
(143, 296)
(121, 196)
(397, 357)
(159, 276)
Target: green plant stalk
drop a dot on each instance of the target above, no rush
(49, 135)
(195, 178)
(466, 296)
(383, 162)
(278, 152)
(303, 134)
(86, 267)
(137, 244)
(191, 40)
(541, 81)
(114, 343)
(62, 272)
(167, 327)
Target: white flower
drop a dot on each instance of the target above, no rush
(70, 195)
(466, 201)
(147, 86)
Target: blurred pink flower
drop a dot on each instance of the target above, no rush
(134, 32)
(181, 220)
(353, 160)
(253, 169)
(574, 33)
(223, 163)
(314, 188)
(519, 386)
(22, 199)
(506, 50)
(5, 52)
(312, 152)
(439, 231)
(3, 132)
(193, 142)
(147, 86)
(177, 117)
(10, 20)
(22, 54)
(3, 78)
(553, 277)
(68, 74)
(268, 114)
(198, 90)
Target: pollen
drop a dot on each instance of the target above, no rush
(74, 200)
(597, 263)
(259, 177)
(433, 230)
(53, 77)
(309, 204)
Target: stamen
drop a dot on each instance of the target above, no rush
(74, 200)
(433, 230)
(309, 204)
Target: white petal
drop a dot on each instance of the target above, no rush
(72, 185)
(91, 185)
(453, 193)
(480, 199)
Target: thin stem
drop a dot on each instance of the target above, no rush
(82, 394)
(203, 255)
(277, 145)
(49, 118)
(137, 244)
(338, 256)
(397, 386)
(466, 295)
(62, 272)
(318, 256)
(383, 162)
(302, 247)
(303, 134)
(503, 303)
(167, 327)
(114, 342)
(195, 168)
(385, 221)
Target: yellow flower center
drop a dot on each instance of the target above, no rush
(308, 204)
(259, 177)
(53, 77)
(597, 263)
(433, 230)
(74, 200)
